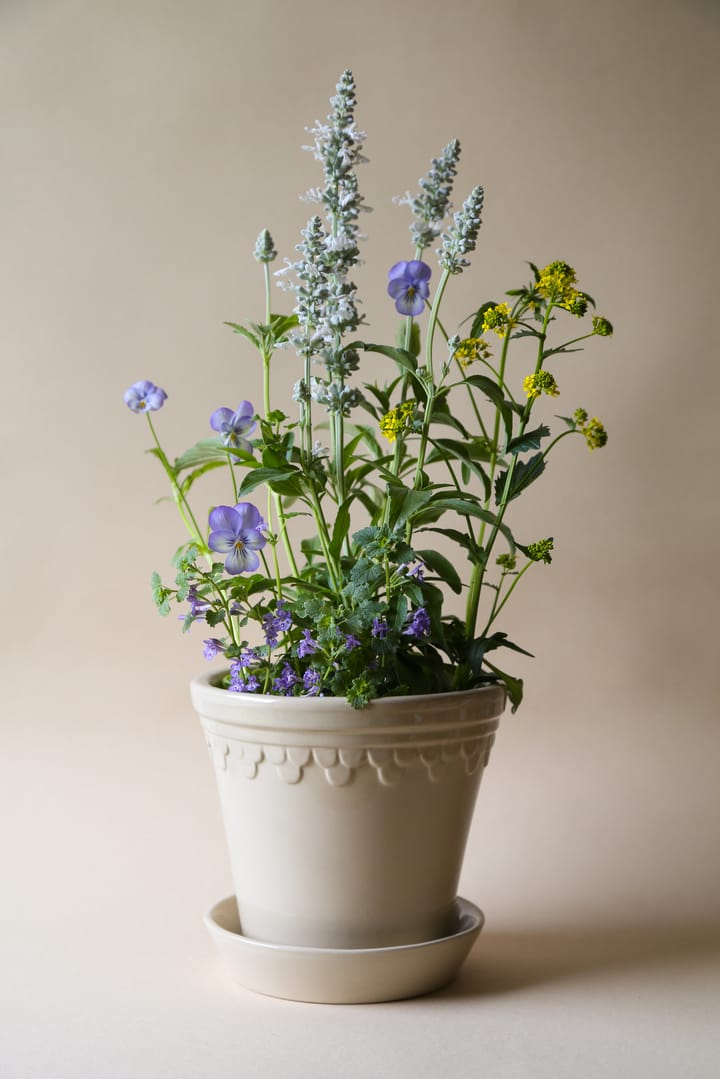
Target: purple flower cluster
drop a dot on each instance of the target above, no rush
(240, 682)
(311, 682)
(277, 623)
(351, 642)
(379, 628)
(213, 647)
(308, 646)
(419, 624)
(287, 680)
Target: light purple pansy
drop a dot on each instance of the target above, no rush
(234, 426)
(144, 396)
(235, 532)
(409, 286)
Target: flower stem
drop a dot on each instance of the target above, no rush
(178, 494)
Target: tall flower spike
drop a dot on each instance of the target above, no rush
(264, 247)
(431, 204)
(461, 237)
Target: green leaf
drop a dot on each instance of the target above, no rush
(494, 394)
(406, 503)
(476, 554)
(284, 481)
(514, 686)
(214, 618)
(529, 441)
(211, 449)
(469, 507)
(462, 451)
(401, 356)
(239, 328)
(341, 528)
(524, 473)
(443, 567)
(414, 337)
(477, 326)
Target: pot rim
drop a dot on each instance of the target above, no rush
(263, 716)
(205, 684)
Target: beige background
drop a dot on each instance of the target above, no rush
(144, 144)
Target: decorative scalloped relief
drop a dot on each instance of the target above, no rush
(219, 752)
(339, 765)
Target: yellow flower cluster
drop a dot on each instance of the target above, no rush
(595, 434)
(541, 382)
(497, 319)
(540, 551)
(594, 431)
(557, 284)
(472, 348)
(398, 421)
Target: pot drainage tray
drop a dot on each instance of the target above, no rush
(337, 975)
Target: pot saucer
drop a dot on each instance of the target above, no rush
(342, 976)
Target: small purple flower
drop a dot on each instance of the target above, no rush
(198, 605)
(239, 683)
(235, 532)
(213, 647)
(283, 618)
(144, 397)
(248, 656)
(251, 684)
(419, 624)
(409, 286)
(277, 623)
(351, 642)
(233, 426)
(418, 572)
(284, 684)
(311, 682)
(308, 645)
(379, 628)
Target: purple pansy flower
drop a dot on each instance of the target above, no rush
(233, 426)
(144, 396)
(409, 286)
(419, 624)
(234, 532)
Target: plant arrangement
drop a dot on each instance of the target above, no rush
(321, 574)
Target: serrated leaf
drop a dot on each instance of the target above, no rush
(529, 441)
(523, 474)
(239, 328)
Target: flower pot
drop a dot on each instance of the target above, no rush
(347, 828)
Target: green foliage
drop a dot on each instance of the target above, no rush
(358, 599)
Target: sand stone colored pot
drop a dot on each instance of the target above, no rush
(347, 828)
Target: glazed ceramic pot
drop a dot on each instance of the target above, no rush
(347, 829)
